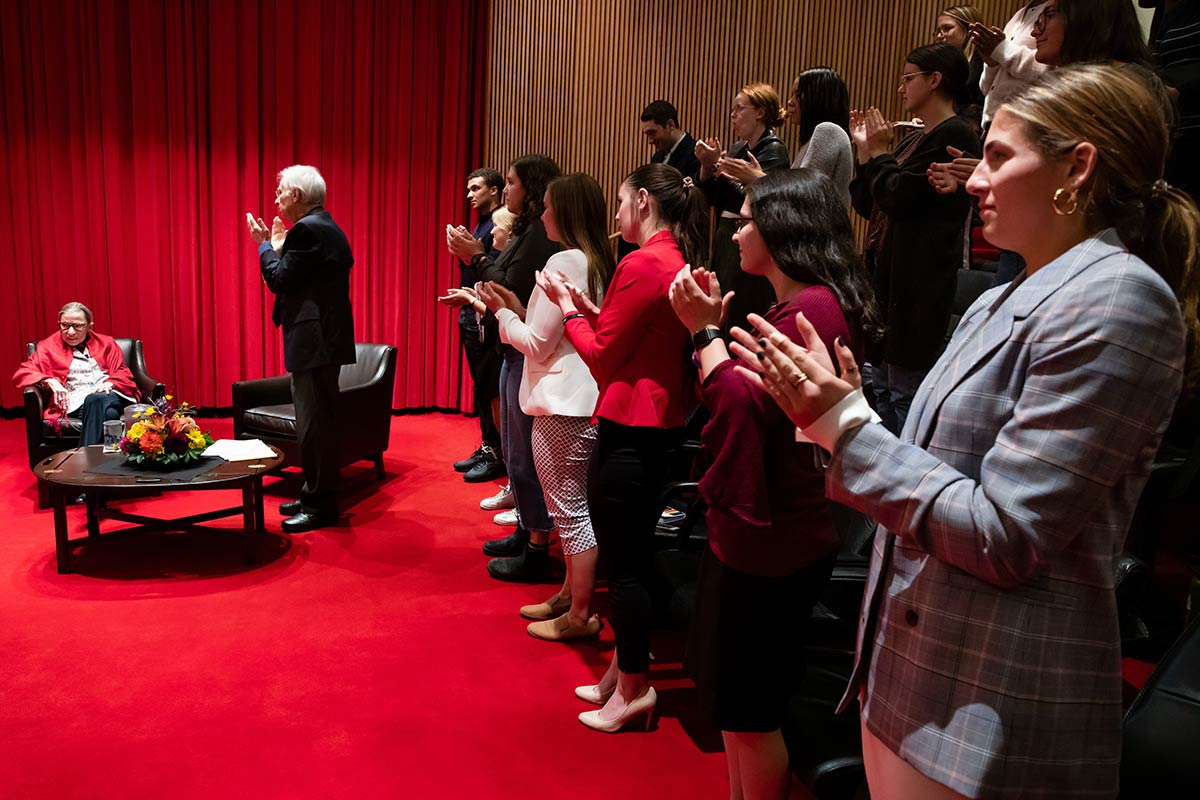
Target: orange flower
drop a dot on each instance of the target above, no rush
(151, 442)
(179, 425)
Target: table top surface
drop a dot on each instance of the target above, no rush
(70, 468)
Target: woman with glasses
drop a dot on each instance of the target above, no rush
(1071, 31)
(989, 653)
(771, 533)
(953, 27)
(755, 114)
(916, 242)
(819, 104)
(83, 372)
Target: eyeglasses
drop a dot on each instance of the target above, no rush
(908, 76)
(738, 109)
(741, 222)
(1039, 24)
(73, 326)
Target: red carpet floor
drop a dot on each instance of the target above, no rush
(376, 659)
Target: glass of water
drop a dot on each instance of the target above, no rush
(114, 432)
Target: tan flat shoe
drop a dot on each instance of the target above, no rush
(554, 607)
(561, 629)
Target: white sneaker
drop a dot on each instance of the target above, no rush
(506, 518)
(501, 499)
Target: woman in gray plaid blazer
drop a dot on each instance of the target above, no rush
(988, 654)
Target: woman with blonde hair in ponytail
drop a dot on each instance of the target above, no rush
(989, 654)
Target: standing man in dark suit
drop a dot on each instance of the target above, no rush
(673, 146)
(308, 269)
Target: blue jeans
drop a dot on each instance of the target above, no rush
(516, 432)
(895, 388)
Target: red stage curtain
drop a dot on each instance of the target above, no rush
(137, 133)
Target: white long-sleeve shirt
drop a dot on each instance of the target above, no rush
(1016, 61)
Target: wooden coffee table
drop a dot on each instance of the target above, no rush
(67, 475)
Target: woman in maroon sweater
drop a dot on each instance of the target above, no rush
(770, 529)
(638, 354)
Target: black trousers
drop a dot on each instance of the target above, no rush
(483, 360)
(625, 481)
(315, 393)
(98, 408)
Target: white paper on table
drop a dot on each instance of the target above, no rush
(239, 449)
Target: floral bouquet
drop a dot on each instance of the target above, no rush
(164, 434)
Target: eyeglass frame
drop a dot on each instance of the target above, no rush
(906, 77)
(740, 222)
(1047, 14)
(74, 326)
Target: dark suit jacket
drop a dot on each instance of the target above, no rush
(310, 277)
(683, 159)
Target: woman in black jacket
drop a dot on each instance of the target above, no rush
(915, 245)
(755, 114)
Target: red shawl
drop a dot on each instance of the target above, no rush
(52, 359)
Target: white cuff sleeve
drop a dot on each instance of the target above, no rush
(850, 412)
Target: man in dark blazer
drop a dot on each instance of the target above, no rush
(308, 269)
(673, 146)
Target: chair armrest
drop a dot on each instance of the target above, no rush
(35, 406)
(150, 388)
(262, 392)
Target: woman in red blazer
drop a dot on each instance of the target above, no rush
(638, 352)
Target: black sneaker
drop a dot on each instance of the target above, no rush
(488, 468)
(532, 566)
(471, 460)
(509, 546)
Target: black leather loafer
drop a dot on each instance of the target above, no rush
(306, 521)
(508, 547)
(291, 507)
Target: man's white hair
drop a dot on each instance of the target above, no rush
(307, 180)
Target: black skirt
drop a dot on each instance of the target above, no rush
(746, 642)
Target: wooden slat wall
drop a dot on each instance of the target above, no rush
(570, 79)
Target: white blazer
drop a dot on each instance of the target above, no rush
(555, 380)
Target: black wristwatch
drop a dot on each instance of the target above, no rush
(704, 337)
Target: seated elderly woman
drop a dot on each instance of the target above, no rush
(84, 372)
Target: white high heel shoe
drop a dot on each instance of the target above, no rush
(594, 694)
(643, 705)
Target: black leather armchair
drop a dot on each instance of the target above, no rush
(43, 440)
(263, 409)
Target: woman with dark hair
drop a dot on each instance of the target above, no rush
(771, 533)
(524, 554)
(989, 650)
(820, 104)
(916, 242)
(637, 351)
(953, 27)
(1071, 31)
(559, 392)
(755, 115)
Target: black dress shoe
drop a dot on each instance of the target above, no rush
(307, 521)
(470, 461)
(291, 507)
(509, 546)
(487, 470)
(532, 566)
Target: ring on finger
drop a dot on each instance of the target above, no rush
(799, 378)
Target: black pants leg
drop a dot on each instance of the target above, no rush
(315, 393)
(483, 360)
(97, 409)
(628, 471)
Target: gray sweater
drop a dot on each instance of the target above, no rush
(828, 151)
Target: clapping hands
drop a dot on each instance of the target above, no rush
(461, 244)
(563, 293)
(696, 297)
(949, 176)
(259, 232)
(870, 132)
(744, 172)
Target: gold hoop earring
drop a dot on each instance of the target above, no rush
(1065, 202)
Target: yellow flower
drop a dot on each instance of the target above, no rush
(196, 439)
(136, 430)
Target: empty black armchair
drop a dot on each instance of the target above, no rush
(263, 409)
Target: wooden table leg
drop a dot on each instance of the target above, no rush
(62, 547)
(258, 505)
(248, 522)
(92, 504)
